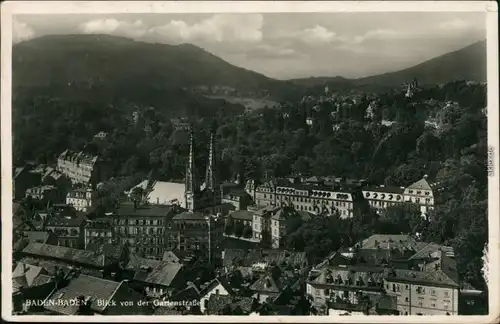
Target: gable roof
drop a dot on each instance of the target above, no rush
(37, 236)
(251, 257)
(65, 253)
(421, 184)
(170, 256)
(187, 215)
(97, 289)
(30, 275)
(153, 271)
(269, 284)
(222, 280)
(242, 215)
(218, 303)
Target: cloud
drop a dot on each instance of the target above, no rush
(318, 34)
(114, 27)
(21, 31)
(456, 24)
(218, 28)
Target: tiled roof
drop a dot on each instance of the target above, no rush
(250, 257)
(29, 274)
(65, 254)
(50, 266)
(422, 277)
(421, 184)
(284, 213)
(222, 280)
(187, 215)
(153, 271)
(37, 236)
(66, 222)
(424, 252)
(170, 256)
(242, 215)
(352, 276)
(387, 241)
(269, 284)
(217, 304)
(82, 157)
(188, 293)
(385, 189)
(99, 224)
(127, 209)
(96, 288)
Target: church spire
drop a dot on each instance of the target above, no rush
(211, 176)
(191, 182)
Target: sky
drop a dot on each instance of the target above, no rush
(286, 45)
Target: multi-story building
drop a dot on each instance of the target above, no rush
(280, 221)
(244, 217)
(143, 227)
(45, 193)
(98, 232)
(421, 193)
(82, 199)
(22, 179)
(195, 231)
(416, 278)
(69, 230)
(262, 220)
(381, 197)
(235, 196)
(314, 198)
(79, 167)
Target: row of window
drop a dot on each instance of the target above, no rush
(140, 230)
(419, 289)
(141, 222)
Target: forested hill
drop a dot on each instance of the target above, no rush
(123, 65)
(468, 63)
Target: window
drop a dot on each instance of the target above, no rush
(433, 292)
(406, 299)
(407, 287)
(446, 294)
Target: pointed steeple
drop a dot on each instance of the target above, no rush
(211, 175)
(191, 182)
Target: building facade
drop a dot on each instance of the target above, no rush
(195, 231)
(411, 277)
(421, 193)
(45, 193)
(69, 230)
(381, 197)
(143, 228)
(98, 232)
(83, 199)
(79, 167)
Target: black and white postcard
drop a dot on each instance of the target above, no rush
(240, 161)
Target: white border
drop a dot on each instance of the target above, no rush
(123, 7)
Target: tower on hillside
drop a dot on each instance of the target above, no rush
(212, 185)
(192, 187)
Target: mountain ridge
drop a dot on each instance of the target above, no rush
(437, 70)
(111, 63)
